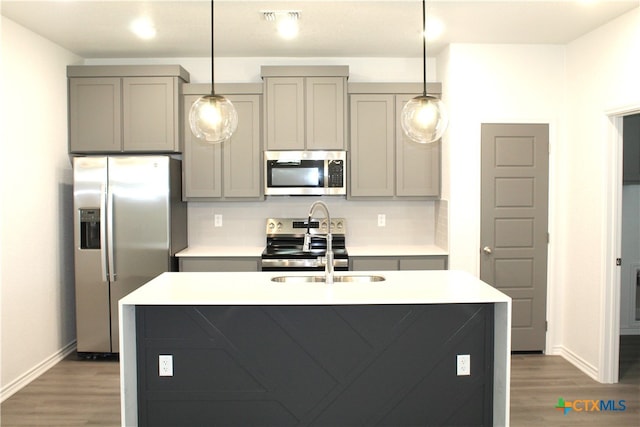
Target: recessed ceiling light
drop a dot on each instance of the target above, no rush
(435, 28)
(288, 26)
(143, 28)
(286, 22)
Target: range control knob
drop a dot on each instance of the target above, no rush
(279, 226)
(271, 226)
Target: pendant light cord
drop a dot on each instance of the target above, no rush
(424, 48)
(213, 92)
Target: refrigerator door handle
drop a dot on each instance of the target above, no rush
(110, 240)
(103, 234)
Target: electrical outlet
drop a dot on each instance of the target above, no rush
(382, 220)
(165, 365)
(217, 220)
(464, 364)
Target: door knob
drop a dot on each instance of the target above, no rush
(487, 250)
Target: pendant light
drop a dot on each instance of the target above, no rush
(424, 118)
(213, 118)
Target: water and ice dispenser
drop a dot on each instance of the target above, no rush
(89, 228)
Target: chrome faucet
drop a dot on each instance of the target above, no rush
(306, 247)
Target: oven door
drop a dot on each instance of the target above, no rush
(301, 264)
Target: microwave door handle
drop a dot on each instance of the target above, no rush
(110, 239)
(103, 234)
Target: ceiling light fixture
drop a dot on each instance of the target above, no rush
(424, 118)
(286, 22)
(213, 118)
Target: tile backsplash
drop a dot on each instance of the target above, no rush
(243, 223)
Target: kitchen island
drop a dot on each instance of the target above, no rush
(249, 351)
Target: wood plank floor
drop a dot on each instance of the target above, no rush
(86, 393)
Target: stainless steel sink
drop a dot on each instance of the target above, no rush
(336, 279)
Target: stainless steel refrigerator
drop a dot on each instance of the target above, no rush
(129, 223)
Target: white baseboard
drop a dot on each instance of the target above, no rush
(33, 373)
(576, 361)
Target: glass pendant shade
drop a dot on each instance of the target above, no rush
(424, 119)
(213, 118)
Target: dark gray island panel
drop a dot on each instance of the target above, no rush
(315, 365)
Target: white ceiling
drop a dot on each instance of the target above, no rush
(354, 28)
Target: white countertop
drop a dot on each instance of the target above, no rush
(256, 288)
(370, 250)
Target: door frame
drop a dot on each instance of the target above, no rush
(610, 299)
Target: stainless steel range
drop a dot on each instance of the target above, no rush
(285, 241)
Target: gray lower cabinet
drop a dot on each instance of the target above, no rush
(219, 264)
(114, 109)
(322, 366)
(305, 107)
(386, 263)
(384, 163)
(230, 170)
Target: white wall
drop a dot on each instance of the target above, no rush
(603, 69)
(36, 260)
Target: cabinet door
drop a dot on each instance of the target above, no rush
(242, 153)
(285, 113)
(218, 264)
(95, 115)
(374, 263)
(150, 114)
(202, 162)
(372, 142)
(436, 262)
(325, 113)
(417, 165)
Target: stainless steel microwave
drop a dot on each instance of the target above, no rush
(305, 173)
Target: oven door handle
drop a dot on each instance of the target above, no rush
(301, 263)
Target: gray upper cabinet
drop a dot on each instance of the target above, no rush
(417, 165)
(230, 170)
(325, 113)
(384, 163)
(95, 122)
(285, 113)
(305, 107)
(372, 145)
(115, 109)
